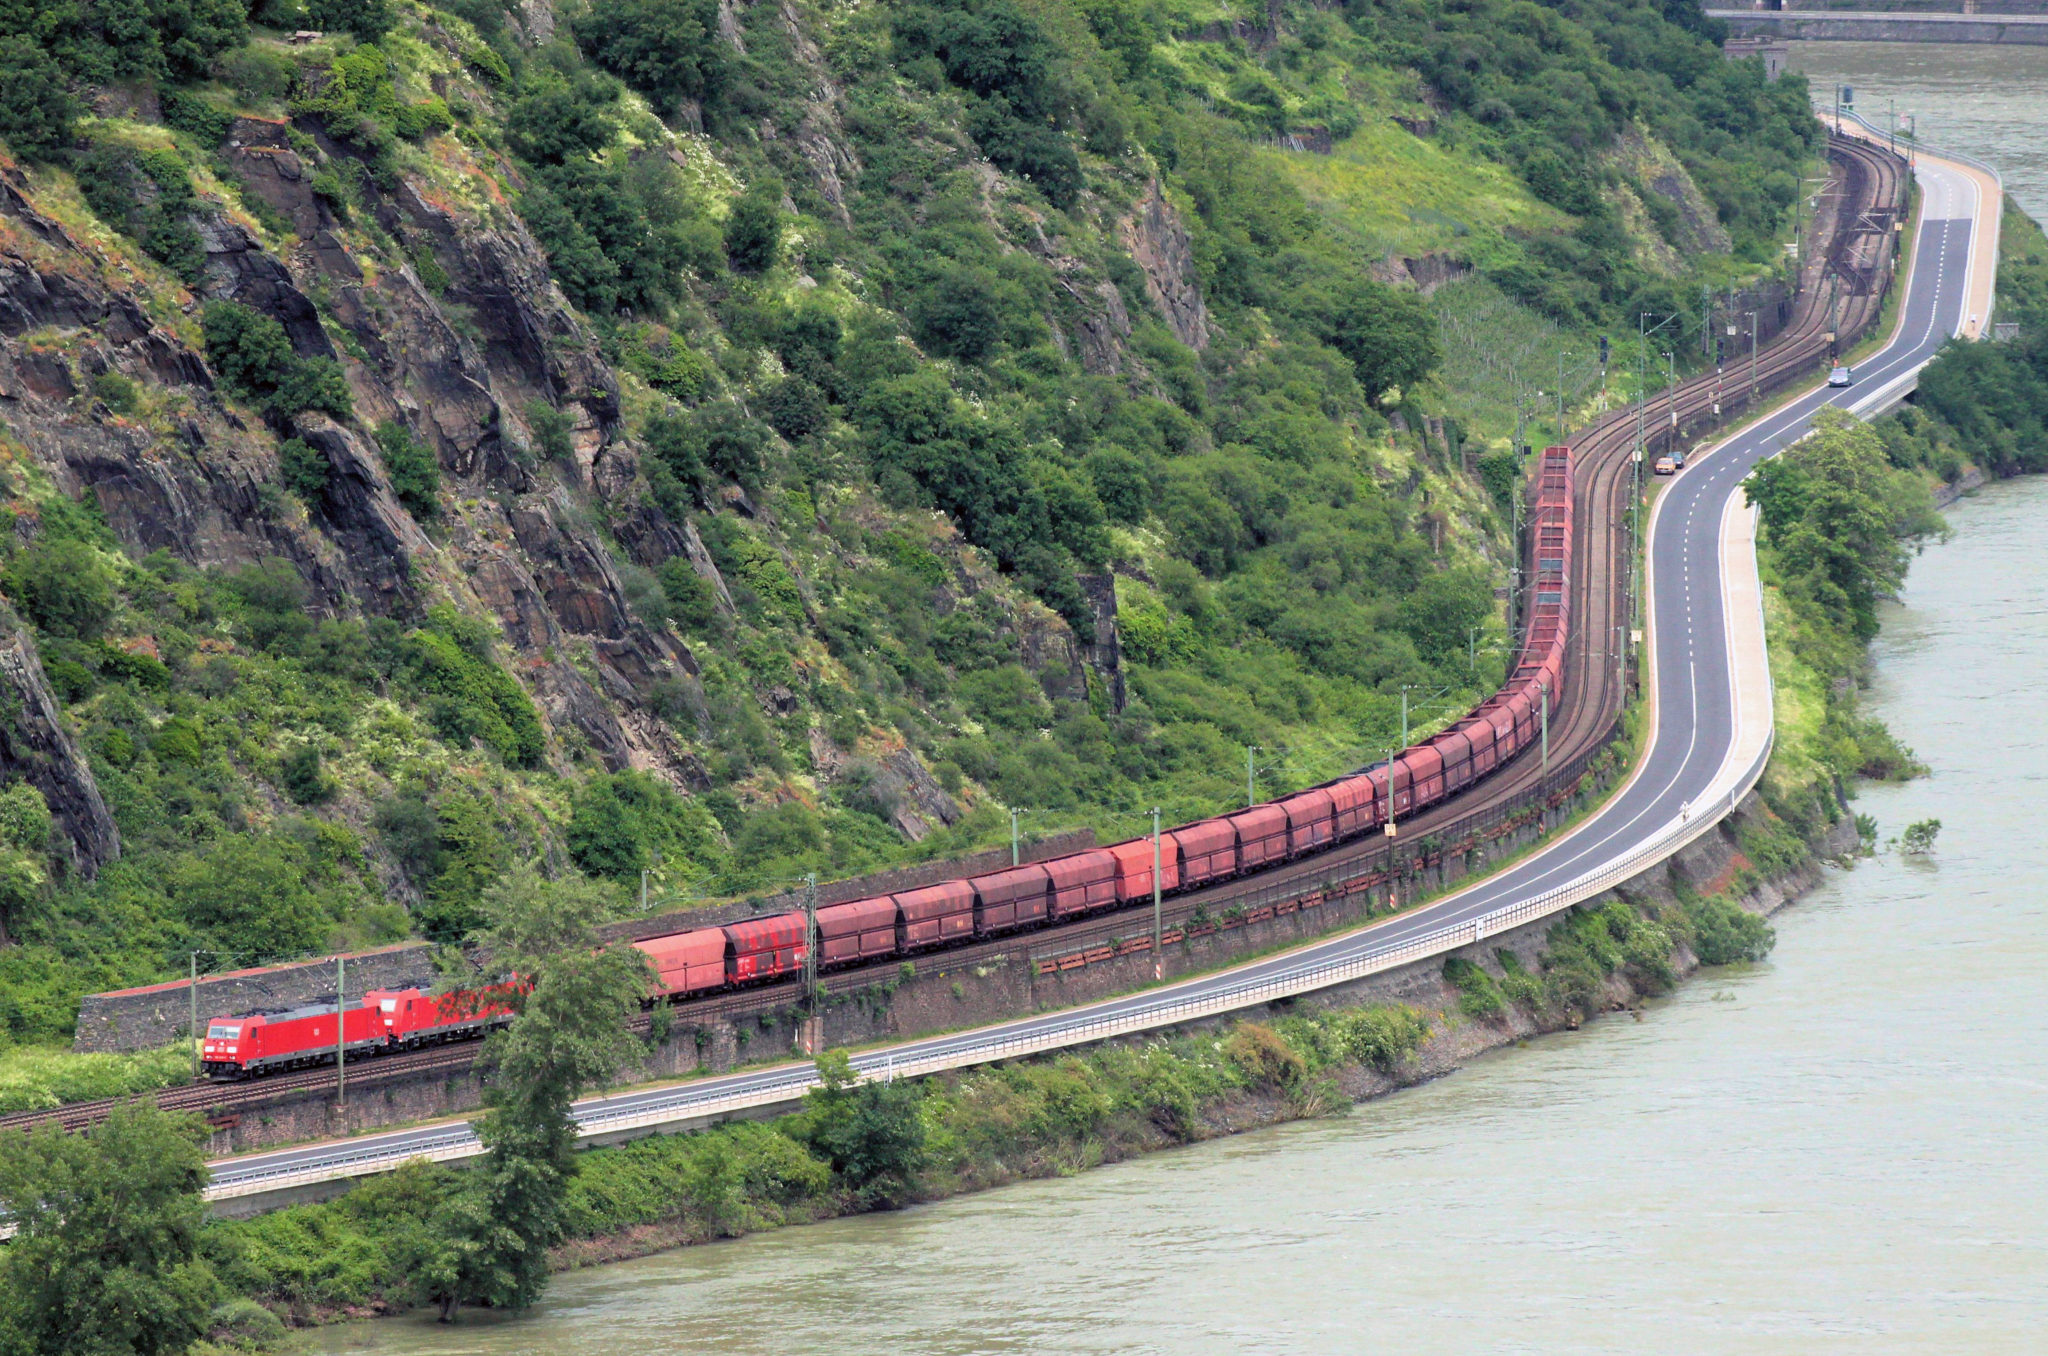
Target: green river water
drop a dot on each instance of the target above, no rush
(1842, 1150)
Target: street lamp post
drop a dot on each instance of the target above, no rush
(1251, 795)
(1158, 962)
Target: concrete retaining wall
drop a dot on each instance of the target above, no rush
(1812, 26)
(141, 1019)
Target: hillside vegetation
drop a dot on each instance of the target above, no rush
(731, 440)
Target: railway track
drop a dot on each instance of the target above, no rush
(1595, 691)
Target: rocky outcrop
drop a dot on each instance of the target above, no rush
(1425, 272)
(1158, 240)
(36, 747)
(1651, 166)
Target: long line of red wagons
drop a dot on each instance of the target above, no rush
(759, 950)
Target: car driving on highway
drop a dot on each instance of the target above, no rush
(1841, 376)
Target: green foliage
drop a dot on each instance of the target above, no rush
(872, 1132)
(753, 232)
(64, 586)
(1918, 839)
(148, 196)
(358, 98)
(364, 20)
(1724, 934)
(569, 1035)
(551, 429)
(661, 48)
(304, 470)
(628, 821)
(1478, 995)
(105, 1255)
(36, 110)
(415, 474)
(251, 354)
(468, 696)
(36, 1078)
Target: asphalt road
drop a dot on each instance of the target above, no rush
(1695, 726)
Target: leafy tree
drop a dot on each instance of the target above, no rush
(871, 1132)
(364, 20)
(961, 314)
(753, 233)
(693, 603)
(665, 49)
(65, 588)
(1918, 839)
(415, 474)
(36, 110)
(253, 357)
(105, 1256)
(304, 469)
(247, 896)
(1389, 336)
(568, 1037)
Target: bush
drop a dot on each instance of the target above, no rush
(872, 1133)
(36, 110)
(305, 778)
(468, 697)
(253, 358)
(795, 408)
(665, 49)
(1724, 934)
(64, 587)
(414, 473)
(304, 470)
(753, 233)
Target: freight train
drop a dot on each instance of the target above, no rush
(908, 922)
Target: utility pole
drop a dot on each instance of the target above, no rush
(1472, 648)
(643, 891)
(1404, 713)
(1158, 962)
(1671, 392)
(1562, 435)
(1015, 858)
(1390, 793)
(340, 1036)
(1752, 355)
(1543, 706)
(1251, 796)
(193, 963)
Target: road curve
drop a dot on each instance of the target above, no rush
(1689, 749)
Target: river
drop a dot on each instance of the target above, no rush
(1844, 1149)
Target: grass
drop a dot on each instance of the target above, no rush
(39, 1077)
(1389, 191)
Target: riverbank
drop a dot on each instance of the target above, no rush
(986, 1128)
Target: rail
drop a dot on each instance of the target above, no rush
(460, 1142)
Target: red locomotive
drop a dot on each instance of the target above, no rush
(381, 1021)
(758, 950)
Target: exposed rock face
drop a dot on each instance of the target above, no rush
(35, 747)
(1101, 334)
(1654, 169)
(1425, 273)
(1103, 651)
(1158, 240)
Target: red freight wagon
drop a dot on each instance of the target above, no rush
(935, 914)
(687, 962)
(414, 1017)
(761, 948)
(1134, 867)
(1083, 881)
(267, 1041)
(1426, 766)
(1208, 850)
(1390, 795)
(1522, 706)
(1351, 802)
(1478, 733)
(1456, 756)
(1261, 836)
(856, 931)
(1311, 821)
(1009, 899)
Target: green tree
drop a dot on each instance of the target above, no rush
(65, 588)
(568, 1037)
(105, 1256)
(662, 48)
(36, 110)
(753, 233)
(415, 474)
(872, 1133)
(1389, 336)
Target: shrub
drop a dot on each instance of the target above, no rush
(665, 49)
(753, 233)
(794, 408)
(64, 587)
(305, 778)
(1478, 995)
(253, 358)
(468, 696)
(304, 469)
(120, 394)
(414, 473)
(36, 110)
(1724, 934)
(551, 430)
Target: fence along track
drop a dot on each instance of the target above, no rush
(1593, 696)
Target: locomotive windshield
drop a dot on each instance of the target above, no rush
(224, 1031)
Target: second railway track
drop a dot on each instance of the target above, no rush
(1870, 186)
